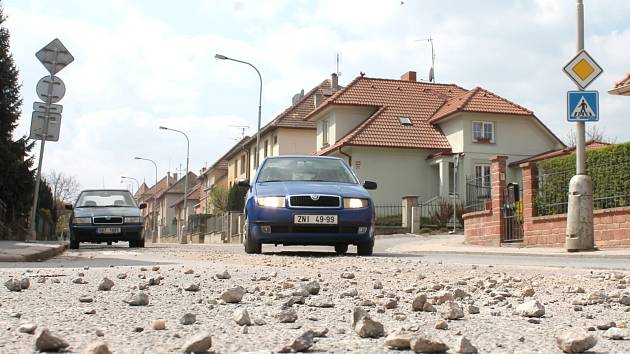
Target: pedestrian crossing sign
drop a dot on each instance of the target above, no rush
(583, 106)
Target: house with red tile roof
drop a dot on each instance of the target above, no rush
(406, 135)
(287, 134)
(622, 87)
(211, 178)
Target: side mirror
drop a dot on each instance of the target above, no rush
(142, 205)
(69, 207)
(369, 185)
(243, 183)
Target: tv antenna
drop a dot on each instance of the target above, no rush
(338, 60)
(432, 70)
(243, 128)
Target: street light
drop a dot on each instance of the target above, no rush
(184, 239)
(137, 183)
(154, 236)
(223, 57)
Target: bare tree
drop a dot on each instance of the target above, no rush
(593, 132)
(65, 188)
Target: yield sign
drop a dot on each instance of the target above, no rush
(54, 56)
(583, 69)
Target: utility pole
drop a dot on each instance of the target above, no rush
(579, 231)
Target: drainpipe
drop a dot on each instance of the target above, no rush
(347, 155)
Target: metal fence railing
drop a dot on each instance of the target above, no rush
(611, 187)
(438, 212)
(478, 191)
(389, 215)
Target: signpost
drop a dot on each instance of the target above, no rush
(583, 106)
(46, 119)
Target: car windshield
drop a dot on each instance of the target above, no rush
(106, 199)
(305, 169)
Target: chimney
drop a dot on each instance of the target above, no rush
(409, 76)
(317, 99)
(175, 176)
(334, 82)
(168, 179)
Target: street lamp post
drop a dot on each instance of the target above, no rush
(223, 57)
(154, 236)
(184, 239)
(135, 180)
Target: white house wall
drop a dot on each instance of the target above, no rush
(341, 120)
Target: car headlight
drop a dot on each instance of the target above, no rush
(354, 203)
(270, 202)
(133, 219)
(82, 220)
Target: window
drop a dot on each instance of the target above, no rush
(242, 164)
(405, 121)
(483, 132)
(325, 132)
(235, 168)
(482, 173)
(275, 139)
(266, 148)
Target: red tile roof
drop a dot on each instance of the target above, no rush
(481, 101)
(623, 82)
(590, 145)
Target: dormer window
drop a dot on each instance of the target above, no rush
(406, 121)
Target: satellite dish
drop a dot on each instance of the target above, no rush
(431, 75)
(297, 97)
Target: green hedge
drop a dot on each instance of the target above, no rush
(236, 198)
(608, 167)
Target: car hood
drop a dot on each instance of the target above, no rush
(289, 188)
(109, 211)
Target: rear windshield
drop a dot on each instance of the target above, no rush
(305, 169)
(106, 199)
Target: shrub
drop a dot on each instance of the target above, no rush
(236, 198)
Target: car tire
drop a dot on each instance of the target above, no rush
(74, 244)
(365, 248)
(341, 249)
(140, 243)
(251, 247)
(132, 244)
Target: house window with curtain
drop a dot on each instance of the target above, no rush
(325, 132)
(243, 164)
(483, 132)
(482, 173)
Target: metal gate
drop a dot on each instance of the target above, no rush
(512, 214)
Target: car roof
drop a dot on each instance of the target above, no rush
(304, 156)
(105, 190)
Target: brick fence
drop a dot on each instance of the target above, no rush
(612, 226)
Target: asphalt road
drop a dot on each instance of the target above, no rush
(119, 254)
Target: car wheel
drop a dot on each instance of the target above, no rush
(365, 248)
(341, 249)
(132, 244)
(251, 247)
(140, 243)
(74, 244)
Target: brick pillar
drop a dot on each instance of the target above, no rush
(498, 170)
(408, 202)
(530, 189)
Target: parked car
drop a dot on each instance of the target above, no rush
(106, 215)
(306, 200)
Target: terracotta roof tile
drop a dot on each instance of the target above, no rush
(391, 100)
(479, 100)
(623, 82)
(590, 145)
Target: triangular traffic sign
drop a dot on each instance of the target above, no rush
(583, 109)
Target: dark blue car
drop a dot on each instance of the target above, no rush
(306, 200)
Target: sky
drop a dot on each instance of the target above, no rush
(145, 63)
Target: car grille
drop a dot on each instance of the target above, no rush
(308, 229)
(102, 220)
(323, 201)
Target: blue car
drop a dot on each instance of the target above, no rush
(306, 200)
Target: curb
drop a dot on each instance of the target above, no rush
(481, 253)
(41, 255)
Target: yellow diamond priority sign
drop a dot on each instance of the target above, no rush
(583, 69)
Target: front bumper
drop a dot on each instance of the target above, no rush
(283, 230)
(87, 233)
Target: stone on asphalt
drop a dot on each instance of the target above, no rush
(13, 285)
(398, 340)
(138, 299)
(575, 341)
(25, 283)
(531, 308)
(191, 287)
(105, 285)
(366, 327)
(288, 315)
(300, 344)
(425, 344)
(312, 287)
(473, 310)
(614, 333)
(98, 347)
(199, 343)
(241, 317)
(188, 319)
(441, 324)
(452, 312)
(464, 346)
(48, 342)
(27, 328)
(528, 292)
(625, 300)
(86, 298)
(347, 275)
(224, 275)
(159, 324)
(377, 285)
(418, 302)
(233, 295)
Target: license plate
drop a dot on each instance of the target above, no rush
(108, 230)
(315, 219)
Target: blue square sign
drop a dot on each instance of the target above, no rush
(582, 106)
